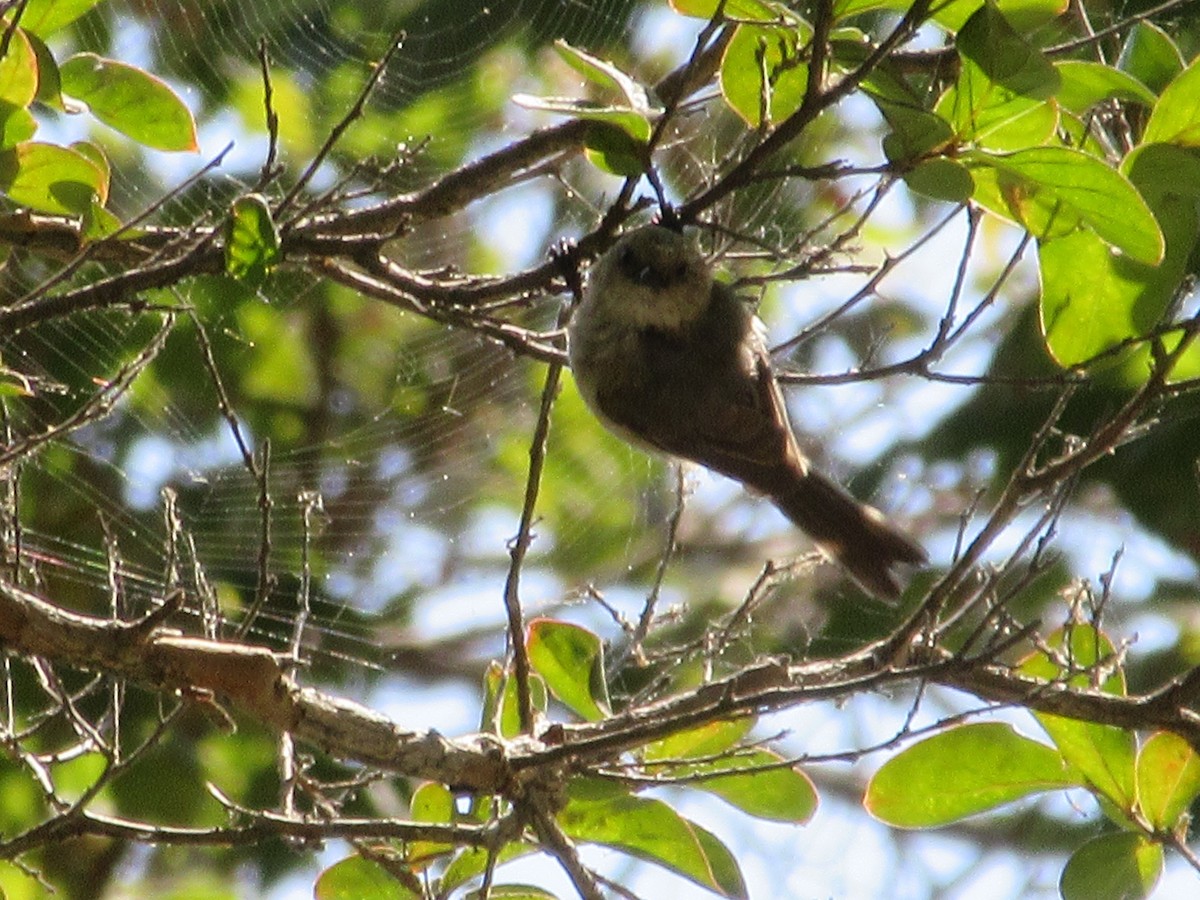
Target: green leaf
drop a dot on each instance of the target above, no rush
(607, 75)
(49, 178)
(1093, 299)
(1168, 780)
(19, 71)
(501, 710)
(961, 772)
(17, 125)
(132, 101)
(251, 240)
(1176, 116)
(741, 10)
(355, 878)
(1083, 84)
(915, 131)
(94, 154)
(99, 223)
(1051, 191)
(1113, 867)
(998, 99)
(632, 121)
(721, 862)
(763, 69)
(599, 812)
(1003, 57)
(708, 739)
(49, 88)
(783, 794)
(1102, 755)
(941, 179)
(1025, 15)
(513, 892)
(571, 659)
(613, 150)
(431, 803)
(474, 861)
(45, 17)
(1150, 56)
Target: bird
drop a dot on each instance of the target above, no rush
(673, 361)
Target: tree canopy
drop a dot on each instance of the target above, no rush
(317, 572)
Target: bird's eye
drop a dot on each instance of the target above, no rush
(680, 271)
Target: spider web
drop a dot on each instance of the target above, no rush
(378, 502)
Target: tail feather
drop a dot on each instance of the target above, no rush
(853, 534)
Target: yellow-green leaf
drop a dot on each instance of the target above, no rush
(19, 71)
(1168, 779)
(1102, 755)
(1122, 866)
(251, 240)
(1176, 117)
(132, 101)
(571, 659)
(600, 812)
(1051, 191)
(49, 178)
(961, 772)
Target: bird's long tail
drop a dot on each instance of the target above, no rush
(853, 534)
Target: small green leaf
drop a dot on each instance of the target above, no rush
(1093, 299)
(434, 804)
(613, 150)
(1085, 83)
(94, 154)
(471, 862)
(1024, 15)
(607, 75)
(19, 71)
(355, 878)
(628, 119)
(132, 101)
(763, 70)
(49, 88)
(708, 739)
(1003, 57)
(1176, 116)
(961, 772)
(1101, 755)
(600, 812)
(915, 132)
(998, 99)
(1168, 779)
(941, 178)
(1113, 867)
(251, 240)
(513, 892)
(45, 17)
(1052, 190)
(49, 178)
(1150, 56)
(571, 659)
(99, 223)
(780, 793)
(501, 710)
(741, 10)
(721, 862)
(17, 125)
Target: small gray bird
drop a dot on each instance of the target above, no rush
(671, 360)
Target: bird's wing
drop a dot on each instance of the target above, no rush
(746, 426)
